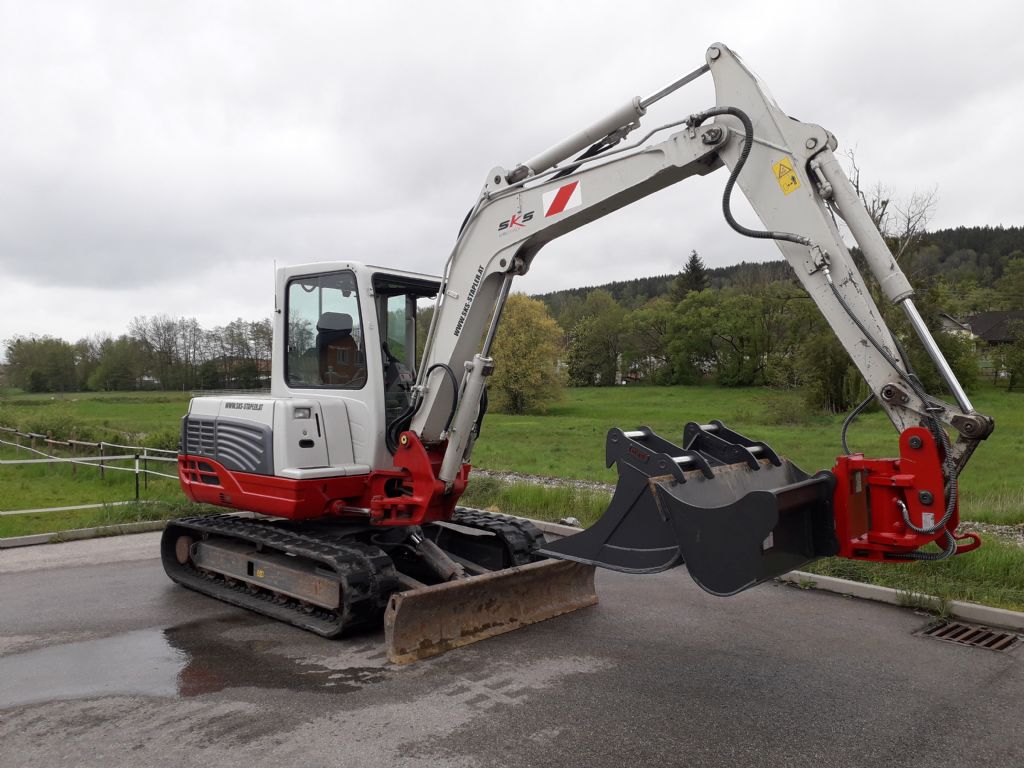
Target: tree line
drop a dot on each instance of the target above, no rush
(158, 352)
(972, 259)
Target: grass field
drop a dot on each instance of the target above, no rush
(113, 416)
(49, 522)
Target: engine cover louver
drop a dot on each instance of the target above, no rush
(238, 445)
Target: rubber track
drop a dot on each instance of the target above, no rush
(366, 574)
(522, 538)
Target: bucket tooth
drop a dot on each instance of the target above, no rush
(726, 506)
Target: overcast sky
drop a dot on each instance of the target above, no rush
(159, 157)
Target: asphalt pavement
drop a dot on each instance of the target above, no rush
(105, 662)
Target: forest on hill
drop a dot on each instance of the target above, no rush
(971, 257)
(753, 324)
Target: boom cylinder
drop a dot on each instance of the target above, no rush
(621, 117)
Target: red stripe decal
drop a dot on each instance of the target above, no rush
(561, 199)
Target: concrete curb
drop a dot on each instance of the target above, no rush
(979, 614)
(81, 533)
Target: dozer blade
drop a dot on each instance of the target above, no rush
(726, 506)
(425, 622)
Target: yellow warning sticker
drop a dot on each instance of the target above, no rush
(786, 175)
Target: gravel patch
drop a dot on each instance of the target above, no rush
(550, 482)
(1008, 533)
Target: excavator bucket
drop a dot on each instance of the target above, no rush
(421, 623)
(726, 506)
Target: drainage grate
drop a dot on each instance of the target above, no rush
(971, 634)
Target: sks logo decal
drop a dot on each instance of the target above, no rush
(519, 220)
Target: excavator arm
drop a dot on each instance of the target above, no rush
(870, 509)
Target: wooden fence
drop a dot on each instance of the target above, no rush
(97, 456)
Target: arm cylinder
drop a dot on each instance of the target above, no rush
(890, 277)
(885, 269)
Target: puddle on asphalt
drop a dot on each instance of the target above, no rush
(189, 660)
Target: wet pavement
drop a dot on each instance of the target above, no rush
(110, 664)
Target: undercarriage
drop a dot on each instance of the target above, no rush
(333, 577)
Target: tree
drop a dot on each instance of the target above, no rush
(901, 222)
(648, 329)
(742, 339)
(1013, 357)
(1010, 287)
(526, 350)
(694, 277)
(121, 365)
(831, 381)
(597, 342)
(42, 364)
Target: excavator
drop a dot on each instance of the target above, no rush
(352, 468)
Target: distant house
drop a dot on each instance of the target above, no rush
(996, 327)
(957, 327)
(992, 330)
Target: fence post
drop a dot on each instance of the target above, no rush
(136, 477)
(102, 473)
(145, 468)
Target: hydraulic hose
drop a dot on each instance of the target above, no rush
(850, 419)
(748, 142)
(401, 421)
(948, 550)
(483, 412)
(455, 389)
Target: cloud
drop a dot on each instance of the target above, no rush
(161, 157)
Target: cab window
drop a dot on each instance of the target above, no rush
(325, 338)
(400, 298)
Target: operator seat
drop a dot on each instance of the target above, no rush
(342, 363)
